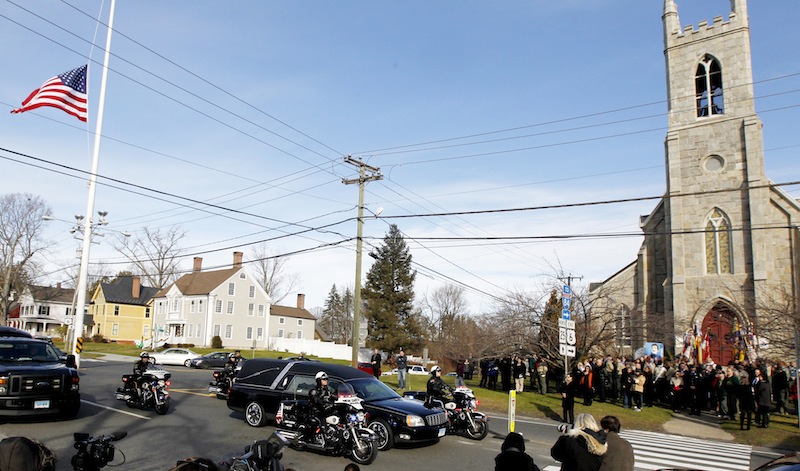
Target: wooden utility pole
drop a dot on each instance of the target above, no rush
(375, 174)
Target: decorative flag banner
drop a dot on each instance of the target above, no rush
(66, 92)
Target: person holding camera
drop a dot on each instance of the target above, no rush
(582, 446)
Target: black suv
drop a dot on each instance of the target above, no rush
(34, 380)
(263, 383)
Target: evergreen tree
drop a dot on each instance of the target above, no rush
(389, 295)
(337, 316)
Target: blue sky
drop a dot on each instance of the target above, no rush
(464, 106)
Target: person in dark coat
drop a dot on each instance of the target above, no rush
(619, 456)
(746, 404)
(582, 447)
(376, 363)
(512, 455)
(24, 454)
(762, 393)
(568, 390)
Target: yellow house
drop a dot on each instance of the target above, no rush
(121, 309)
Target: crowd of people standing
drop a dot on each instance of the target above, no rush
(741, 390)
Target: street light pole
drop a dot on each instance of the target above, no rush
(361, 180)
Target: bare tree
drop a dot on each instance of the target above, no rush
(155, 254)
(20, 238)
(270, 271)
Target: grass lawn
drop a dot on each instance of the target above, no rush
(783, 432)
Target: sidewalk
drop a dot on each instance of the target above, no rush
(699, 426)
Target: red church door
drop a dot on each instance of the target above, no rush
(719, 323)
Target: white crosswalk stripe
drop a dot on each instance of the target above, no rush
(653, 451)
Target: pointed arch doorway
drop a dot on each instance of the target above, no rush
(719, 323)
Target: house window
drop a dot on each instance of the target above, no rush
(623, 327)
(252, 292)
(175, 305)
(299, 321)
(281, 320)
(260, 333)
(179, 330)
(160, 305)
(280, 333)
(219, 306)
(249, 333)
(115, 329)
(251, 309)
(146, 331)
(116, 310)
(228, 331)
(190, 330)
(230, 307)
(718, 243)
(708, 87)
(200, 306)
(260, 310)
(147, 313)
(231, 289)
(299, 334)
(44, 310)
(242, 275)
(191, 306)
(198, 331)
(216, 330)
(69, 311)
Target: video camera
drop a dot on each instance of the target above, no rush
(94, 452)
(262, 455)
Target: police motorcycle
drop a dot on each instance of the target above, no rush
(153, 392)
(342, 432)
(463, 417)
(223, 379)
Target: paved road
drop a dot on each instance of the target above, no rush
(201, 425)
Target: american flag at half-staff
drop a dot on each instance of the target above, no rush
(66, 91)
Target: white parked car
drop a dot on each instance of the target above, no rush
(175, 356)
(387, 373)
(417, 370)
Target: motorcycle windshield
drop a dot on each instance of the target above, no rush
(345, 394)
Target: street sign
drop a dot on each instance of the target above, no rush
(565, 314)
(570, 334)
(562, 335)
(566, 292)
(566, 302)
(570, 351)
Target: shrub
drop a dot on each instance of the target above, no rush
(98, 338)
(216, 342)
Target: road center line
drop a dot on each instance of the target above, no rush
(115, 410)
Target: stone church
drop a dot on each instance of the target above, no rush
(719, 248)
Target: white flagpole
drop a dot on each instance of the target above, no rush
(87, 228)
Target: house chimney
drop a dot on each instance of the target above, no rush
(136, 290)
(237, 259)
(301, 301)
(198, 264)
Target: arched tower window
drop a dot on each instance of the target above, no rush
(718, 243)
(708, 87)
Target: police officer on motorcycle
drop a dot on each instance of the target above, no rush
(139, 368)
(321, 400)
(438, 392)
(234, 360)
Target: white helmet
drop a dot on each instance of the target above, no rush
(320, 376)
(435, 369)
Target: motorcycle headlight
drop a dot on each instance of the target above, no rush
(361, 416)
(473, 404)
(415, 421)
(161, 383)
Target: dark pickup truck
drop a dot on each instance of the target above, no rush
(34, 380)
(262, 384)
